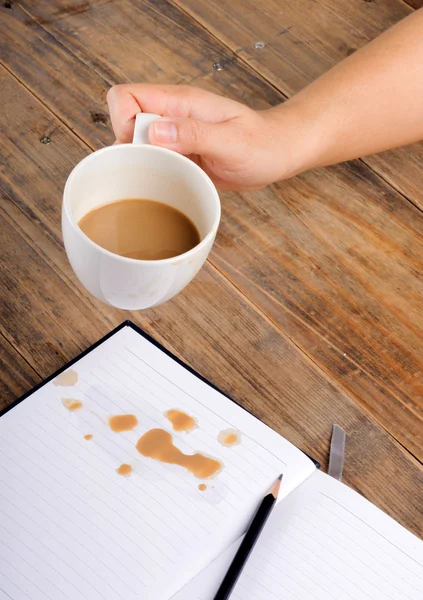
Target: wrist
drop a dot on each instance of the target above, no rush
(296, 139)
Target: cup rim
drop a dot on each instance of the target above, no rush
(204, 242)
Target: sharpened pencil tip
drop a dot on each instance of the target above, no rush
(276, 487)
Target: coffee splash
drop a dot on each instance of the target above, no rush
(124, 470)
(88, 436)
(202, 487)
(229, 437)
(180, 420)
(121, 423)
(72, 404)
(66, 379)
(158, 444)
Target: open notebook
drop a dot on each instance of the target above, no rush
(74, 525)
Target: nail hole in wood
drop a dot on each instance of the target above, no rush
(99, 118)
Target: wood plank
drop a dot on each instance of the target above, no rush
(17, 376)
(315, 258)
(302, 41)
(332, 303)
(414, 3)
(211, 325)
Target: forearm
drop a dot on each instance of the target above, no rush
(372, 101)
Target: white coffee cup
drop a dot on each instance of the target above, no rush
(137, 170)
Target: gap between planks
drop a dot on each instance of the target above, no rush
(15, 349)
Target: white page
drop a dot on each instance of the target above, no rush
(323, 542)
(72, 528)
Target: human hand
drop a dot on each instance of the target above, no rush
(239, 148)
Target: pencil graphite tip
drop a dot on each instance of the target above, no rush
(276, 487)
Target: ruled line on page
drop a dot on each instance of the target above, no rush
(363, 551)
(64, 519)
(270, 556)
(163, 555)
(173, 384)
(80, 552)
(250, 461)
(357, 576)
(118, 490)
(4, 595)
(33, 565)
(369, 527)
(187, 441)
(204, 432)
(300, 547)
(151, 468)
(309, 566)
(158, 490)
(100, 579)
(6, 581)
(61, 499)
(21, 574)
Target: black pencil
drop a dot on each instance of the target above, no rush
(248, 543)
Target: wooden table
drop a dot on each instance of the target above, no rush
(310, 310)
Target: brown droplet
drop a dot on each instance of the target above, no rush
(124, 470)
(88, 436)
(68, 378)
(229, 437)
(202, 487)
(158, 444)
(72, 404)
(120, 423)
(180, 420)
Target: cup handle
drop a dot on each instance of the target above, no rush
(142, 124)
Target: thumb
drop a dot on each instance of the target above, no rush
(186, 136)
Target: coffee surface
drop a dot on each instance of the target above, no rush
(140, 229)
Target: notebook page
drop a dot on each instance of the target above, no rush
(72, 528)
(323, 542)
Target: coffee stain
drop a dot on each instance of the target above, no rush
(66, 379)
(158, 444)
(88, 436)
(120, 423)
(229, 437)
(202, 487)
(124, 470)
(180, 420)
(72, 404)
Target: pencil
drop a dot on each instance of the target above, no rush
(248, 543)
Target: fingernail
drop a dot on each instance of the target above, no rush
(165, 132)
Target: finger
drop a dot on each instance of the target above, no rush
(125, 101)
(188, 136)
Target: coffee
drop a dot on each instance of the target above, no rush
(141, 229)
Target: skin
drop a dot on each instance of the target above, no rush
(370, 102)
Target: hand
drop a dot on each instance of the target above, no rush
(239, 148)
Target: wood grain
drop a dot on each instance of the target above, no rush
(303, 40)
(333, 257)
(211, 325)
(414, 3)
(17, 376)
